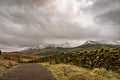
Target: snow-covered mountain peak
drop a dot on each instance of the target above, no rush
(103, 42)
(90, 42)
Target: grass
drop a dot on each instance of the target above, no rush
(5, 66)
(71, 72)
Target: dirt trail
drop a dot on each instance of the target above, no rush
(29, 71)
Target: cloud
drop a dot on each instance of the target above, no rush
(107, 14)
(27, 23)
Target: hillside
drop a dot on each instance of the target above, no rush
(17, 56)
(108, 58)
(46, 51)
(6, 65)
(9, 60)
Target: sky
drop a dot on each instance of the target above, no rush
(27, 23)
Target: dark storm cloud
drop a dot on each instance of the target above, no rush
(27, 23)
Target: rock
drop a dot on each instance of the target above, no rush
(7, 66)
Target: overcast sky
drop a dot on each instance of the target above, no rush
(27, 23)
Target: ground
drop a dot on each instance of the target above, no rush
(28, 71)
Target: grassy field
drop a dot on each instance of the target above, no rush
(71, 72)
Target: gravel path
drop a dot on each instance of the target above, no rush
(29, 71)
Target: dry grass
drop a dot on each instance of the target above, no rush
(6, 66)
(18, 56)
(71, 72)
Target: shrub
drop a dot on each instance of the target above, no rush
(108, 58)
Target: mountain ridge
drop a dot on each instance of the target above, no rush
(51, 49)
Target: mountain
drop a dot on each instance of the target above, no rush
(91, 42)
(50, 49)
(63, 45)
(46, 51)
(102, 42)
(98, 44)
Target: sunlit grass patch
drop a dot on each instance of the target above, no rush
(71, 72)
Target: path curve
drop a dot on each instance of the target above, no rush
(28, 71)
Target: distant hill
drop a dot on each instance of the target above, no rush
(53, 49)
(46, 51)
